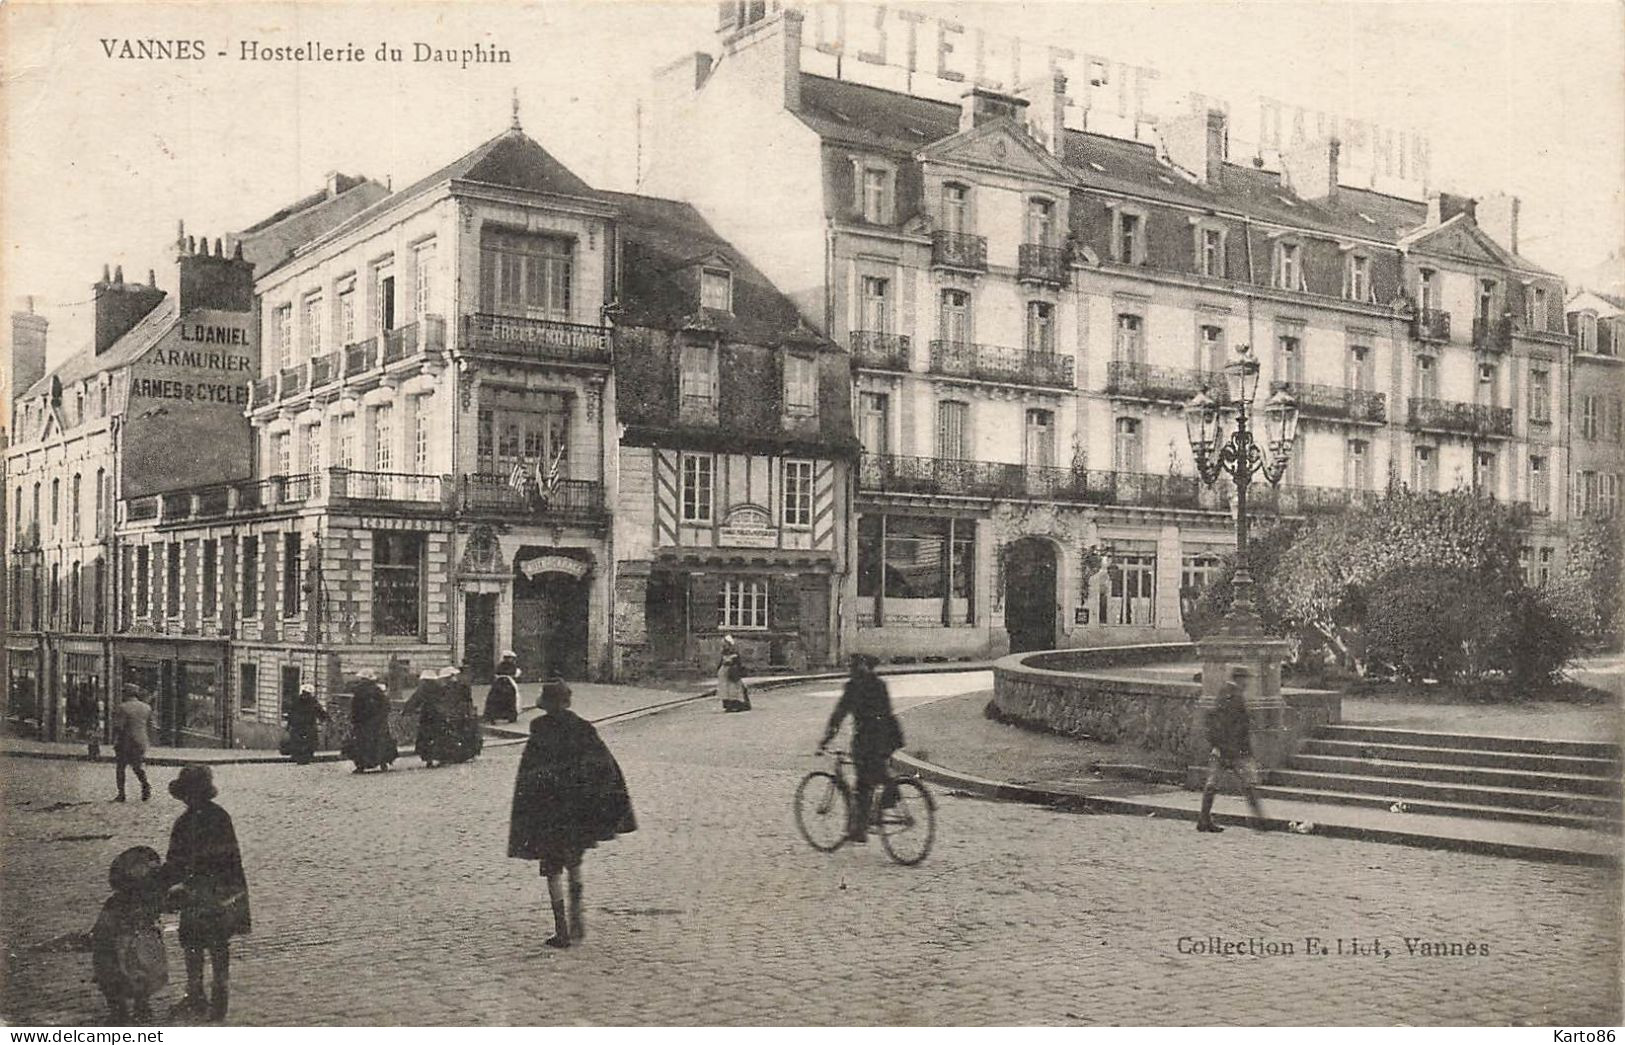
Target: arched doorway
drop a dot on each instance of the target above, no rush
(550, 599)
(1029, 594)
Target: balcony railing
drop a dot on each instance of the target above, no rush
(1431, 324)
(324, 369)
(291, 381)
(27, 537)
(580, 499)
(1469, 418)
(540, 339)
(265, 390)
(426, 335)
(935, 476)
(1492, 335)
(344, 484)
(1337, 403)
(1168, 384)
(360, 357)
(1289, 499)
(1042, 264)
(959, 250)
(1005, 365)
(882, 351)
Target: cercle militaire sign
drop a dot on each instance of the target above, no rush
(1116, 97)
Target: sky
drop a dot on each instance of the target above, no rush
(105, 154)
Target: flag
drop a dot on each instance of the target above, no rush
(553, 470)
(516, 476)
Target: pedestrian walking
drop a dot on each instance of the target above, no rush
(731, 677)
(305, 716)
(131, 722)
(463, 739)
(126, 944)
(83, 718)
(204, 869)
(1228, 733)
(371, 744)
(425, 703)
(569, 795)
(876, 733)
(502, 701)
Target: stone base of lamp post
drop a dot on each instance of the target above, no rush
(1266, 710)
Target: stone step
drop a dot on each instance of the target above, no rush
(1568, 764)
(1485, 776)
(1426, 807)
(1395, 789)
(1470, 741)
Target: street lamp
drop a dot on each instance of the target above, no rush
(1241, 457)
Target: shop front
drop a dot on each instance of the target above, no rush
(777, 608)
(184, 679)
(26, 714)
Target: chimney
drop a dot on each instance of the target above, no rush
(1311, 169)
(766, 52)
(1199, 143)
(1498, 216)
(980, 105)
(1046, 98)
(119, 306)
(1442, 206)
(27, 348)
(214, 281)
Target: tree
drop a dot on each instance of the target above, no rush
(1587, 593)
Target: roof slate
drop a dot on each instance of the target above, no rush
(127, 349)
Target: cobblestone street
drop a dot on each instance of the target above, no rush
(385, 899)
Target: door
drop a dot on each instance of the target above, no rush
(550, 625)
(665, 616)
(479, 636)
(873, 423)
(201, 705)
(1029, 594)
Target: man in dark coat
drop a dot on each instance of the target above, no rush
(304, 731)
(372, 746)
(875, 735)
(569, 796)
(206, 867)
(502, 702)
(425, 703)
(1229, 734)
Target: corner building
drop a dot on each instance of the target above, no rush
(1027, 308)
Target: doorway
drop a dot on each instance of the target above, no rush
(479, 636)
(550, 625)
(1029, 594)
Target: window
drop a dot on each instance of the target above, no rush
(698, 377)
(1212, 253)
(1359, 465)
(1129, 248)
(1540, 485)
(1129, 596)
(1289, 267)
(248, 686)
(696, 488)
(1359, 278)
(383, 438)
(716, 289)
(1616, 424)
(384, 297)
(397, 583)
(56, 507)
(876, 305)
(1487, 384)
(1608, 494)
(800, 385)
(1425, 469)
(742, 605)
(955, 320)
(1535, 308)
(143, 582)
(282, 332)
(1210, 353)
(1038, 449)
(874, 427)
(877, 194)
(101, 502)
(1590, 421)
(420, 435)
(423, 269)
(1484, 471)
(292, 582)
(1126, 449)
(1129, 344)
(99, 593)
(310, 453)
(1427, 291)
(1543, 572)
(55, 617)
(1583, 325)
(172, 579)
(956, 209)
(1362, 368)
(1540, 395)
(73, 507)
(310, 326)
(344, 441)
(211, 577)
(1040, 326)
(251, 577)
(526, 275)
(281, 452)
(916, 572)
(347, 314)
(35, 516)
(1198, 569)
(1290, 361)
(953, 430)
(1040, 222)
(1427, 378)
(1486, 298)
(485, 435)
(798, 493)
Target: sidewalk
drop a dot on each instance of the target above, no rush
(952, 744)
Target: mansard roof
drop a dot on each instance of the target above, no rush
(271, 241)
(127, 349)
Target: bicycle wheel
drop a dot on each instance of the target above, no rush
(907, 828)
(823, 805)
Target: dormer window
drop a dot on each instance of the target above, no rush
(1583, 325)
(717, 289)
(1210, 252)
(800, 385)
(1289, 267)
(1358, 284)
(1535, 308)
(876, 188)
(1128, 238)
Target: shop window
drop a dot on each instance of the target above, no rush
(742, 605)
(916, 572)
(1129, 595)
(397, 583)
(200, 693)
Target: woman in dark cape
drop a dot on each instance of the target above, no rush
(502, 701)
(569, 796)
(425, 703)
(461, 737)
(372, 746)
(304, 731)
(207, 865)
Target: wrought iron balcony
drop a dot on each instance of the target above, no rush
(360, 357)
(882, 351)
(1004, 365)
(580, 500)
(347, 485)
(265, 390)
(1167, 384)
(426, 335)
(1431, 324)
(537, 339)
(324, 369)
(959, 250)
(1492, 335)
(1337, 403)
(1445, 415)
(1290, 499)
(992, 480)
(1042, 264)
(291, 381)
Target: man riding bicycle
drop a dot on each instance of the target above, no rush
(875, 735)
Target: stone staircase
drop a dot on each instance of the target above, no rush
(1565, 783)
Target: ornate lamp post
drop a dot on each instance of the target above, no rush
(1240, 638)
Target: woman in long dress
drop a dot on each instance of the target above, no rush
(425, 703)
(372, 746)
(502, 701)
(304, 731)
(731, 678)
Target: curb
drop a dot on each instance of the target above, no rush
(1004, 791)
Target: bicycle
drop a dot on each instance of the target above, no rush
(823, 808)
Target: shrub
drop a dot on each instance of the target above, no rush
(1433, 623)
(1538, 642)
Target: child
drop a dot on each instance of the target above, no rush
(205, 867)
(126, 944)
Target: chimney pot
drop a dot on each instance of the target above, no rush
(191, 244)
(980, 105)
(118, 276)
(107, 274)
(237, 251)
(217, 251)
(152, 278)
